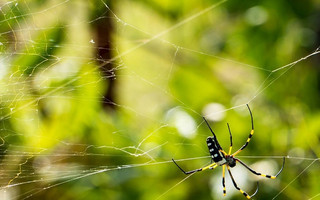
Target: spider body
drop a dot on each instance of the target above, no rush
(231, 161)
(228, 160)
(217, 156)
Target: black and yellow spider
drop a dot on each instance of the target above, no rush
(221, 158)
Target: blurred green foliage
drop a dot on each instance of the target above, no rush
(64, 139)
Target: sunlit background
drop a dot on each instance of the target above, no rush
(98, 96)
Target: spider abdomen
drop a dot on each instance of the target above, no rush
(216, 155)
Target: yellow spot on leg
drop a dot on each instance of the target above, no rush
(211, 166)
(245, 194)
(230, 149)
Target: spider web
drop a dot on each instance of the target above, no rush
(62, 134)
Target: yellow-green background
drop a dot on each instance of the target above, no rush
(168, 57)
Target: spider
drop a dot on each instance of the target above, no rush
(228, 160)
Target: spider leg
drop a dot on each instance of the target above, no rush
(214, 135)
(215, 139)
(223, 180)
(211, 166)
(250, 135)
(259, 174)
(236, 186)
(230, 148)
